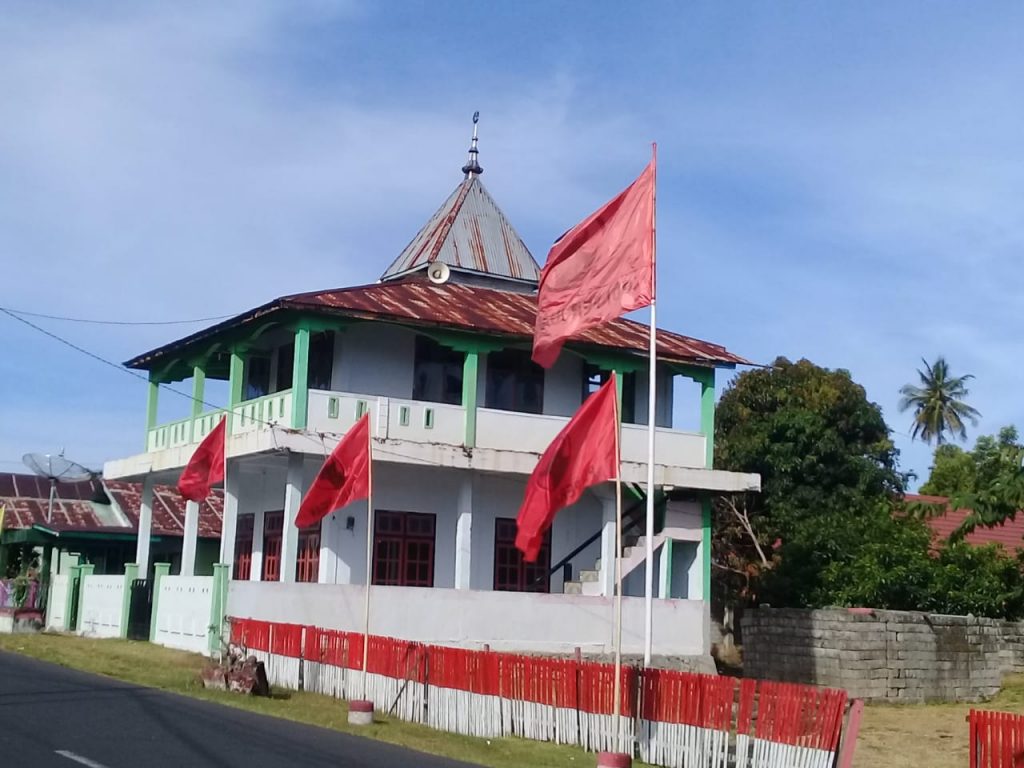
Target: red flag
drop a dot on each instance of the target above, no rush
(599, 270)
(583, 454)
(206, 467)
(343, 478)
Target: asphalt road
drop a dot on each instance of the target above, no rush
(51, 717)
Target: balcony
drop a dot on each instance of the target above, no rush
(412, 421)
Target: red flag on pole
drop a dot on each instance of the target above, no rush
(343, 478)
(599, 270)
(206, 467)
(584, 453)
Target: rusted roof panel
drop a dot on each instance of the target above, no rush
(85, 506)
(468, 232)
(491, 311)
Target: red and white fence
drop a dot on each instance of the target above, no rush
(668, 718)
(997, 739)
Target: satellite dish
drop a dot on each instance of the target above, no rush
(56, 469)
(438, 273)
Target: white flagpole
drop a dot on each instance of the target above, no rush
(651, 404)
(369, 559)
(618, 573)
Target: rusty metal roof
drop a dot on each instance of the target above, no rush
(86, 506)
(468, 233)
(457, 306)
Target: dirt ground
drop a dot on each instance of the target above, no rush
(932, 735)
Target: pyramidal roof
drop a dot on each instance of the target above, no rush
(470, 234)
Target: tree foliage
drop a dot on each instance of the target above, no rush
(828, 527)
(938, 403)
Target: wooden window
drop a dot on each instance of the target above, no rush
(514, 382)
(594, 377)
(273, 527)
(403, 549)
(285, 367)
(511, 572)
(257, 379)
(321, 360)
(437, 373)
(243, 548)
(307, 561)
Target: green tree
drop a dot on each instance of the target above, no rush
(938, 403)
(827, 466)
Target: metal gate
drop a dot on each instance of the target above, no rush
(72, 622)
(140, 609)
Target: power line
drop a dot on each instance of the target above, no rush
(22, 312)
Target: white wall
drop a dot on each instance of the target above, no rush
(409, 488)
(374, 359)
(183, 612)
(102, 603)
(507, 621)
(57, 602)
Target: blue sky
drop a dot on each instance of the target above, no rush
(837, 181)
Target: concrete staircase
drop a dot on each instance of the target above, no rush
(588, 581)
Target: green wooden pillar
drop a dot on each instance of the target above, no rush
(300, 379)
(236, 371)
(218, 607)
(470, 377)
(707, 415)
(705, 504)
(131, 573)
(198, 393)
(159, 571)
(152, 396)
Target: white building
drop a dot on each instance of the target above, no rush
(440, 357)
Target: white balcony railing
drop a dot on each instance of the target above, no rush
(420, 422)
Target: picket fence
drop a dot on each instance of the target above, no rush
(997, 739)
(668, 718)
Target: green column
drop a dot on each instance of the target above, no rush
(218, 607)
(131, 572)
(300, 379)
(83, 572)
(198, 393)
(159, 571)
(707, 415)
(235, 373)
(152, 395)
(470, 376)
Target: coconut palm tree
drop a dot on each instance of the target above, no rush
(938, 404)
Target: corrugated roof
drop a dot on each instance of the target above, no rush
(1009, 535)
(487, 310)
(459, 306)
(86, 506)
(470, 233)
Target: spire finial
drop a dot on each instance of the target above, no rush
(472, 166)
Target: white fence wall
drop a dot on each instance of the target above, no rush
(102, 603)
(183, 612)
(507, 621)
(57, 602)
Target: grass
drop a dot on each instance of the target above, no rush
(176, 671)
(892, 736)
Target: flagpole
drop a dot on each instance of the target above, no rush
(369, 560)
(618, 574)
(651, 413)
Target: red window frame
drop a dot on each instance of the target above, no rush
(307, 559)
(273, 530)
(243, 547)
(403, 548)
(511, 572)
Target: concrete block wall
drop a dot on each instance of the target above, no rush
(895, 656)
